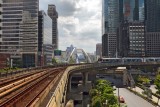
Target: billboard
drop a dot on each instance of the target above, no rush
(57, 52)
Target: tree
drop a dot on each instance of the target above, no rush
(157, 83)
(71, 61)
(111, 99)
(101, 93)
(147, 92)
(54, 61)
(93, 92)
(143, 80)
(96, 101)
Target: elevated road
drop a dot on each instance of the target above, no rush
(133, 100)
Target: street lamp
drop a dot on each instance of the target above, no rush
(118, 99)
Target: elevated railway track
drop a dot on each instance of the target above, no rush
(28, 89)
(25, 90)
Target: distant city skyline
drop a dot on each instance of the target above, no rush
(79, 22)
(73, 24)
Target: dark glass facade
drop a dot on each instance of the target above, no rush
(110, 23)
(131, 10)
(45, 47)
(28, 60)
(104, 45)
(153, 44)
(54, 16)
(131, 39)
(152, 15)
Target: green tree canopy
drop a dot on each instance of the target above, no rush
(157, 83)
(54, 61)
(101, 93)
(96, 101)
(143, 79)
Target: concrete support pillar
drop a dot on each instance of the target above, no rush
(92, 76)
(125, 79)
(85, 77)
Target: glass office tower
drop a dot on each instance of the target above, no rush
(152, 15)
(45, 47)
(131, 10)
(54, 16)
(110, 22)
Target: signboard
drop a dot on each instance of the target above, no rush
(57, 52)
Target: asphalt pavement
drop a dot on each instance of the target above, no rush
(132, 100)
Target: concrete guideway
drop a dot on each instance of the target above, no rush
(58, 98)
(132, 100)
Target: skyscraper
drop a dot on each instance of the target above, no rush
(141, 13)
(19, 30)
(152, 44)
(152, 15)
(54, 16)
(141, 10)
(131, 10)
(121, 16)
(136, 10)
(110, 22)
(132, 41)
(45, 47)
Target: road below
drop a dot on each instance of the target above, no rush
(133, 100)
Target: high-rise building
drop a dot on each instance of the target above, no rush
(141, 13)
(152, 15)
(152, 44)
(131, 10)
(45, 47)
(54, 16)
(121, 16)
(141, 10)
(104, 45)
(131, 39)
(110, 23)
(152, 9)
(136, 10)
(19, 30)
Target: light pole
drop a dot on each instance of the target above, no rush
(118, 99)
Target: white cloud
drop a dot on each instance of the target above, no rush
(79, 22)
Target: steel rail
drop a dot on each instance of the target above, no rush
(21, 92)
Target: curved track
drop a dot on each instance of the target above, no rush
(23, 92)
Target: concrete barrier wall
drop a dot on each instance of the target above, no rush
(58, 98)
